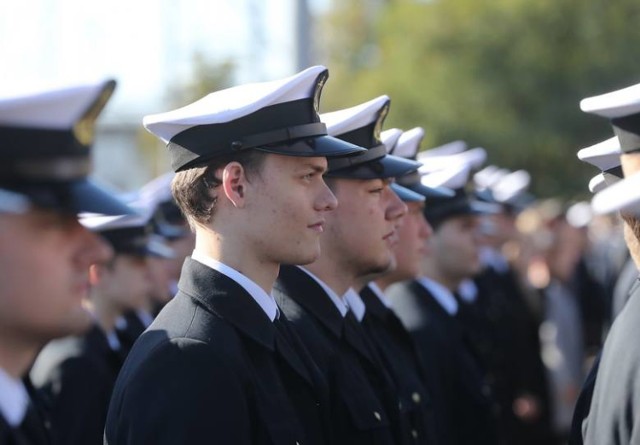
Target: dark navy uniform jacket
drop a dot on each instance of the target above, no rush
(462, 399)
(364, 403)
(213, 368)
(75, 377)
(399, 355)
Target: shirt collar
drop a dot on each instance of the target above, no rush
(14, 399)
(442, 295)
(264, 300)
(342, 307)
(145, 317)
(494, 259)
(378, 293)
(355, 303)
(468, 291)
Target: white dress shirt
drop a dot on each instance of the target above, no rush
(443, 296)
(264, 300)
(355, 303)
(14, 399)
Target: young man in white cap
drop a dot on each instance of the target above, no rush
(45, 253)
(429, 309)
(76, 374)
(219, 363)
(613, 416)
(357, 243)
(385, 330)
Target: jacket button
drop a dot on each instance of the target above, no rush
(414, 433)
(416, 397)
(377, 415)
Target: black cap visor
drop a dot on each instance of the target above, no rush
(386, 166)
(405, 194)
(79, 196)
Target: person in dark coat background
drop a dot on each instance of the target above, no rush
(76, 374)
(220, 363)
(45, 253)
(429, 310)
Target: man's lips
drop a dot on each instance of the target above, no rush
(317, 227)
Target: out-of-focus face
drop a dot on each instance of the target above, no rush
(126, 282)
(182, 247)
(44, 271)
(453, 248)
(287, 203)
(362, 232)
(411, 247)
(159, 272)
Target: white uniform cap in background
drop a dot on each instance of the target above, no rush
(623, 102)
(454, 177)
(409, 143)
(624, 197)
(511, 185)
(450, 148)
(603, 155)
(350, 119)
(390, 139)
(474, 158)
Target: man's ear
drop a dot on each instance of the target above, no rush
(234, 183)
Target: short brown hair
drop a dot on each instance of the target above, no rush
(193, 189)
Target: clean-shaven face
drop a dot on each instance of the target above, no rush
(288, 204)
(44, 271)
(363, 230)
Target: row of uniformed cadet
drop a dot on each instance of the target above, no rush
(607, 411)
(281, 330)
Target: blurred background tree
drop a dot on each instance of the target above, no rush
(506, 75)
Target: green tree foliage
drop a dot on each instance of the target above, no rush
(506, 75)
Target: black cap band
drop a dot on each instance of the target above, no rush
(372, 154)
(627, 129)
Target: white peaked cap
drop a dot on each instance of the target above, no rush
(623, 196)
(454, 177)
(390, 139)
(623, 102)
(233, 103)
(343, 121)
(511, 185)
(580, 214)
(449, 148)
(409, 143)
(597, 183)
(58, 109)
(474, 158)
(156, 191)
(603, 155)
(488, 176)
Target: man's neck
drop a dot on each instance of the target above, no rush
(448, 282)
(337, 278)
(104, 311)
(16, 355)
(237, 255)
